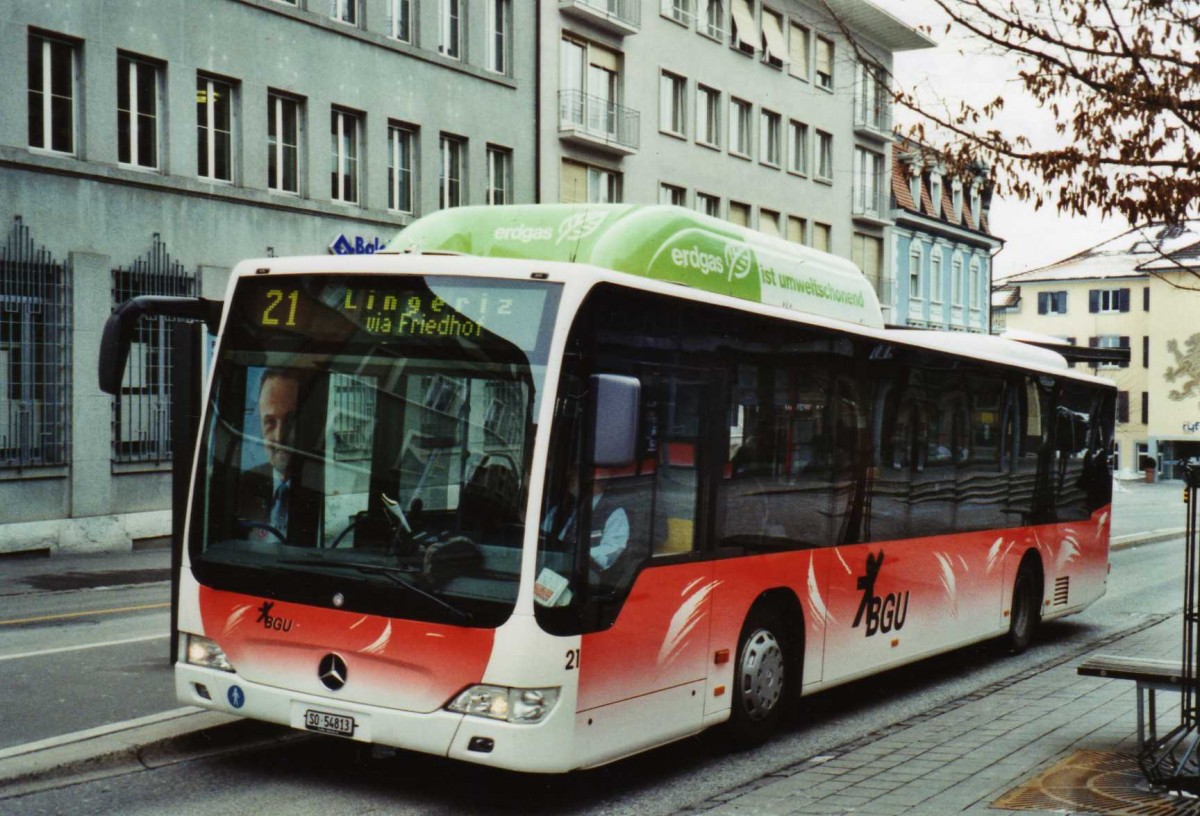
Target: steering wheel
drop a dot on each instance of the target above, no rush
(262, 525)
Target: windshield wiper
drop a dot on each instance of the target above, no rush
(394, 573)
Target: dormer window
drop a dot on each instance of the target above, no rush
(976, 201)
(956, 199)
(914, 186)
(935, 193)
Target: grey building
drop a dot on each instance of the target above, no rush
(147, 147)
(774, 114)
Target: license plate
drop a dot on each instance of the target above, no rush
(326, 723)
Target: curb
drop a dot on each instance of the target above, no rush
(103, 751)
(1134, 539)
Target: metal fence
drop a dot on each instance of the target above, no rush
(598, 118)
(35, 329)
(142, 411)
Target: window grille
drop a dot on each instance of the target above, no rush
(35, 329)
(142, 411)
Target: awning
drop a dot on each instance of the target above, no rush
(743, 18)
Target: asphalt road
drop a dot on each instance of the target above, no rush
(299, 774)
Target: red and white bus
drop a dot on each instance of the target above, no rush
(540, 487)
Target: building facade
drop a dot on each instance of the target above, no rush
(769, 113)
(941, 244)
(147, 147)
(150, 146)
(1136, 292)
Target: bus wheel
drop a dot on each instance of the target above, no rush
(1026, 609)
(760, 680)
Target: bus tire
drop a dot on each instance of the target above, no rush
(1026, 608)
(761, 679)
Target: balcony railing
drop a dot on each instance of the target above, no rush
(871, 204)
(597, 121)
(618, 17)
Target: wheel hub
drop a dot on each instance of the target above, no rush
(761, 674)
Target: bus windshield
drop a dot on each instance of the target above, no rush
(368, 443)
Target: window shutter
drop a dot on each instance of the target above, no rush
(1093, 300)
(1145, 352)
(1093, 342)
(1145, 407)
(1124, 343)
(1146, 299)
(1123, 299)
(1043, 302)
(1123, 406)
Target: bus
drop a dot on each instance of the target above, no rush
(543, 486)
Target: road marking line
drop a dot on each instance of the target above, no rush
(82, 646)
(100, 731)
(65, 615)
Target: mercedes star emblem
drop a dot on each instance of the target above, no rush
(332, 671)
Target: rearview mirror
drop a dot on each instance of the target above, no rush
(613, 401)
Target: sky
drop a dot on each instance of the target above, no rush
(959, 69)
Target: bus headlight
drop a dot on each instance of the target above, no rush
(509, 704)
(200, 651)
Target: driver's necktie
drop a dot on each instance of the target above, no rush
(279, 507)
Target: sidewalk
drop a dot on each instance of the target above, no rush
(964, 756)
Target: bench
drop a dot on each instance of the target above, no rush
(1150, 675)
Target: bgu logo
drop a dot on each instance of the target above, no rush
(269, 621)
(882, 614)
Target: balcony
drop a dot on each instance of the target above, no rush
(596, 122)
(619, 17)
(870, 205)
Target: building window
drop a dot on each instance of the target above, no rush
(1110, 341)
(708, 204)
(712, 18)
(770, 138)
(956, 199)
(584, 184)
(1052, 303)
(450, 28)
(138, 91)
(956, 280)
(739, 213)
(401, 150)
(344, 11)
(214, 129)
(142, 409)
(824, 156)
(824, 63)
(678, 10)
(1108, 301)
(798, 39)
(914, 272)
(822, 236)
(975, 204)
(283, 143)
(35, 360)
(499, 161)
(499, 35)
(867, 253)
(708, 116)
(868, 167)
(871, 108)
(937, 284)
(53, 94)
(589, 75)
(344, 128)
(672, 104)
(975, 271)
(935, 193)
(798, 147)
(797, 228)
(768, 222)
(739, 126)
(452, 152)
(400, 23)
(670, 194)
(775, 48)
(744, 31)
